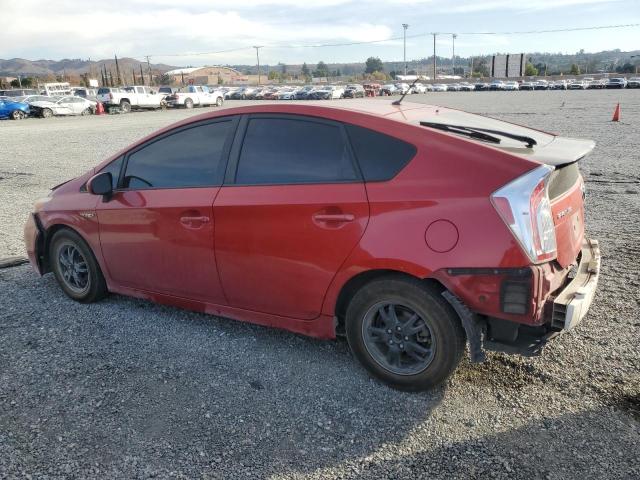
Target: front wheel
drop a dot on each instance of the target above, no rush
(47, 113)
(404, 333)
(219, 101)
(75, 267)
(86, 111)
(188, 103)
(17, 115)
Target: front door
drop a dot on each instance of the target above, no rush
(156, 232)
(293, 211)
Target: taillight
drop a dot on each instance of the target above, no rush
(524, 206)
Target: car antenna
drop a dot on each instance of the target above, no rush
(399, 101)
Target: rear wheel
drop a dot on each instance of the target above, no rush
(219, 101)
(75, 267)
(188, 103)
(17, 115)
(404, 333)
(125, 106)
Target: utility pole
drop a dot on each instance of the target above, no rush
(258, 47)
(454, 36)
(118, 71)
(404, 56)
(434, 55)
(149, 69)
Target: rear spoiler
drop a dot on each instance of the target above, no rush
(560, 151)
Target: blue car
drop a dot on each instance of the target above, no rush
(13, 110)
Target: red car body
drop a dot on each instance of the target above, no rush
(290, 256)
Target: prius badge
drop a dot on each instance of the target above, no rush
(563, 213)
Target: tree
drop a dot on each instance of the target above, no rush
(283, 69)
(542, 68)
(530, 70)
(626, 68)
(575, 69)
(480, 67)
(15, 83)
(305, 70)
(373, 64)
(321, 70)
(163, 79)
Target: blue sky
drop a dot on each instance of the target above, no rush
(79, 29)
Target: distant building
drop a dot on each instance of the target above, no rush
(209, 76)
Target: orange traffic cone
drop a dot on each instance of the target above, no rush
(616, 114)
(99, 109)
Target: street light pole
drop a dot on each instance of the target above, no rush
(434, 55)
(405, 26)
(454, 36)
(258, 47)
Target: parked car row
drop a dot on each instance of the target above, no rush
(17, 108)
(568, 84)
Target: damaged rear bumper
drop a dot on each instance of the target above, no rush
(572, 303)
(565, 309)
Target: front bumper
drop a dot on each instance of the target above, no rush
(572, 303)
(33, 238)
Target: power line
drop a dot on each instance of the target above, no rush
(416, 35)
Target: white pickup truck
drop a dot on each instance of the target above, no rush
(126, 98)
(195, 95)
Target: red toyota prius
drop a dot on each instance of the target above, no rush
(412, 229)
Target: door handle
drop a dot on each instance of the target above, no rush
(334, 217)
(194, 219)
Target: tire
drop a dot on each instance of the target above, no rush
(86, 111)
(430, 346)
(125, 106)
(47, 113)
(84, 283)
(17, 115)
(188, 103)
(219, 101)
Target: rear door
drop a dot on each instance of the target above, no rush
(156, 232)
(292, 209)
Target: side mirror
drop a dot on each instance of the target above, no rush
(101, 184)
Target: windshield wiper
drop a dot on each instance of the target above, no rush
(467, 131)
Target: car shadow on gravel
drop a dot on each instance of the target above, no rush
(126, 388)
(591, 444)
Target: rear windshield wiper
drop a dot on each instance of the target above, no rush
(480, 133)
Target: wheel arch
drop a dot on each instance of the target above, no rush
(49, 232)
(356, 282)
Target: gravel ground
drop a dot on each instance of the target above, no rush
(128, 389)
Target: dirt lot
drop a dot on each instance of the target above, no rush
(128, 389)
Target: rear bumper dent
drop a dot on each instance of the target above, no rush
(571, 305)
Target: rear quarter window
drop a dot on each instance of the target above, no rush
(381, 156)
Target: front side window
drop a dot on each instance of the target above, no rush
(114, 169)
(192, 157)
(289, 150)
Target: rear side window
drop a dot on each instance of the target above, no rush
(188, 158)
(289, 151)
(381, 157)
